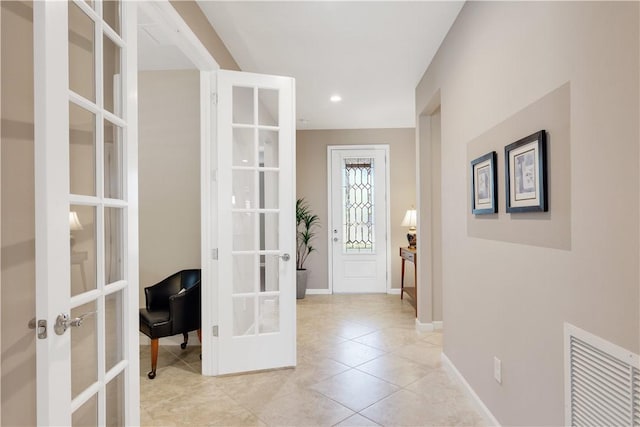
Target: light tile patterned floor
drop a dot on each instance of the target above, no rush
(361, 362)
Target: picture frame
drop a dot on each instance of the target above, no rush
(484, 185)
(526, 174)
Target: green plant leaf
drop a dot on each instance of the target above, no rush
(306, 224)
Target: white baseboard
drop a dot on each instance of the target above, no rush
(436, 325)
(424, 327)
(479, 404)
(318, 292)
(393, 291)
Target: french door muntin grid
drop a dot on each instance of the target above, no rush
(259, 211)
(100, 203)
(358, 205)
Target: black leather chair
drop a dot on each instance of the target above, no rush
(172, 307)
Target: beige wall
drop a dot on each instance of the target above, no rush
(18, 227)
(197, 21)
(510, 299)
(169, 173)
(311, 184)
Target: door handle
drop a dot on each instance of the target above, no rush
(64, 322)
(284, 257)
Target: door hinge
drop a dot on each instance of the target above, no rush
(41, 327)
(214, 253)
(215, 331)
(214, 98)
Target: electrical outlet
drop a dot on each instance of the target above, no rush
(497, 370)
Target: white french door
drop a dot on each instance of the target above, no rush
(358, 210)
(86, 213)
(255, 142)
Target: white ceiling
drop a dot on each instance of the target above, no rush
(371, 53)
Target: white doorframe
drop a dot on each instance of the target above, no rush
(191, 46)
(330, 150)
(426, 248)
(209, 286)
(130, 105)
(178, 31)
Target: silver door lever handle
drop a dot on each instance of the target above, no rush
(63, 322)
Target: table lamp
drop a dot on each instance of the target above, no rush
(410, 220)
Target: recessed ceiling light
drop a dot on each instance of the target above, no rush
(335, 98)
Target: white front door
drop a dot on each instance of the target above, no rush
(358, 210)
(86, 213)
(256, 222)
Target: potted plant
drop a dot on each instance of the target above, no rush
(306, 222)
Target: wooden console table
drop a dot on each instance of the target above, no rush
(409, 254)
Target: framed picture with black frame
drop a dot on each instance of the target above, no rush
(484, 194)
(526, 174)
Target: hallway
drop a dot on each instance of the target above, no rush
(360, 363)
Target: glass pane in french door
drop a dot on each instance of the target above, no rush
(111, 14)
(268, 107)
(269, 314)
(243, 147)
(269, 273)
(84, 348)
(115, 401)
(87, 414)
(244, 273)
(82, 71)
(112, 161)
(113, 245)
(243, 316)
(243, 108)
(82, 225)
(268, 148)
(114, 329)
(111, 76)
(82, 151)
(255, 212)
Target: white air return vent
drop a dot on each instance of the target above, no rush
(602, 381)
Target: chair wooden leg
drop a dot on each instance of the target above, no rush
(154, 358)
(200, 335)
(186, 339)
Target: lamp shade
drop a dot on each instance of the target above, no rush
(410, 219)
(74, 221)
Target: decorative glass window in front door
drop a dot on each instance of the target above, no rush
(358, 205)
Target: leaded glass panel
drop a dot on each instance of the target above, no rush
(358, 205)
